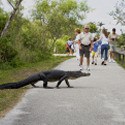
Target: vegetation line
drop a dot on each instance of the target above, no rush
(8, 98)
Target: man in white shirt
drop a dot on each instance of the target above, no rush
(85, 46)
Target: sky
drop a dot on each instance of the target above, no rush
(101, 11)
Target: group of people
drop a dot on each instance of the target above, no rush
(85, 45)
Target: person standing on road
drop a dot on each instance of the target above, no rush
(104, 46)
(77, 43)
(112, 41)
(95, 51)
(85, 47)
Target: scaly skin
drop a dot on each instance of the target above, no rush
(46, 76)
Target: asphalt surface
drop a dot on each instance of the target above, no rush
(95, 100)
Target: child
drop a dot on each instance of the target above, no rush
(95, 51)
(68, 47)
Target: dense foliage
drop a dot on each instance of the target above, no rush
(52, 22)
(3, 18)
(121, 42)
(119, 15)
(119, 12)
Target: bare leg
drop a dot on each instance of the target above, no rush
(111, 55)
(92, 59)
(71, 52)
(81, 60)
(88, 62)
(96, 56)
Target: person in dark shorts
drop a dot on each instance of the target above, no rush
(85, 47)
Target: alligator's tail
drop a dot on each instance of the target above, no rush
(22, 83)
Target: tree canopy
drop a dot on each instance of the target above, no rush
(119, 12)
(60, 17)
(32, 40)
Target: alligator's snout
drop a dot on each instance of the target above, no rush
(85, 74)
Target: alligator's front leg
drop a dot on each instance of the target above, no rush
(45, 83)
(67, 82)
(60, 81)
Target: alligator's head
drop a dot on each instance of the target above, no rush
(77, 74)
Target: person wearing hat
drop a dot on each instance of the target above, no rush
(85, 48)
(112, 41)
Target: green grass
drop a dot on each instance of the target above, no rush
(8, 98)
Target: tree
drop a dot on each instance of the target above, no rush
(15, 5)
(121, 41)
(3, 18)
(119, 12)
(93, 27)
(100, 24)
(59, 17)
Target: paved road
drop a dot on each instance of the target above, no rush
(95, 100)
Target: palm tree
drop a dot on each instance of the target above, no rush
(100, 24)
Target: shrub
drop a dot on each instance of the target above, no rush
(121, 41)
(7, 52)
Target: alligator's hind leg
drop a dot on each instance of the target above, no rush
(45, 85)
(45, 82)
(33, 84)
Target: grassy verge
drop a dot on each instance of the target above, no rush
(8, 98)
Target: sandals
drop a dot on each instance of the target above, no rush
(103, 63)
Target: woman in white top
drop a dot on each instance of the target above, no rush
(104, 46)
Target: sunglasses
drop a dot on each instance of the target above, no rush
(87, 28)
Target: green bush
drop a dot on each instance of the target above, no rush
(121, 41)
(60, 46)
(7, 52)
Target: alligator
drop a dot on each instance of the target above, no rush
(46, 76)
